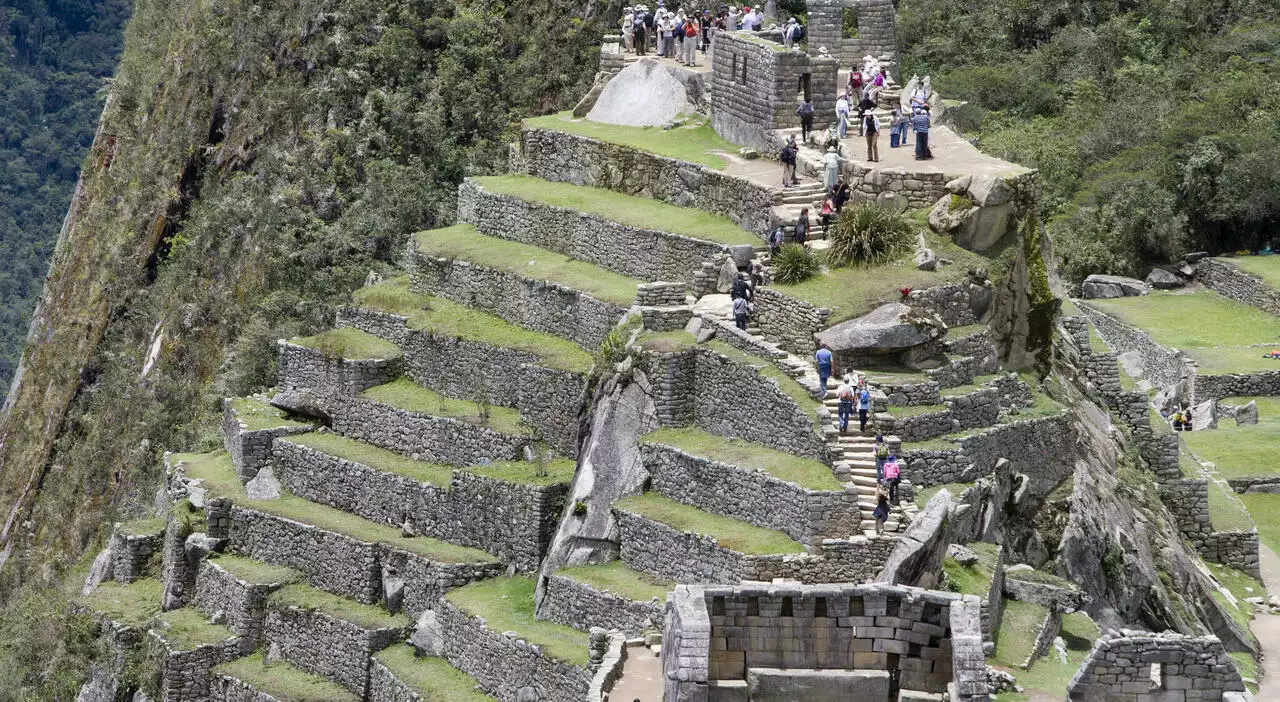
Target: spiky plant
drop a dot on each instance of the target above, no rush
(795, 264)
(867, 234)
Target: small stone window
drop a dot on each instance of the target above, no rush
(820, 607)
(753, 606)
(849, 23)
(786, 607)
(744, 71)
(717, 606)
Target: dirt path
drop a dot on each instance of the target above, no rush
(641, 677)
(1267, 628)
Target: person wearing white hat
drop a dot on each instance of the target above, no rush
(628, 28)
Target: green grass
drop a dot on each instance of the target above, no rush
(923, 495)
(896, 377)
(432, 678)
(665, 342)
(256, 415)
(255, 572)
(350, 344)
(954, 333)
(463, 242)
(1242, 586)
(1268, 408)
(136, 604)
(730, 533)
(1221, 360)
(1223, 322)
(186, 629)
(506, 604)
(450, 319)
(1018, 628)
(1048, 677)
(639, 212)
(216, 471)
(1265, 267)
(283, 681)
(1264, 507)
(617, 578)
(696, 143)
(142, 527)
(362, 615)
(559, 470)
(973, 579)
(851, 292)
(980, 382)
(1039, 576)
(1238, 451)
(375, 457)
(1247, 667)
(1041, 406)
(805, 472)
(1225, 513)
(408, 395)
(786, 383)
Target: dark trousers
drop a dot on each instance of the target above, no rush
(879, 469)
(741, 321)
(893, 490)
(862, 419)
(922, 145)
(806, 127)
(845, 411)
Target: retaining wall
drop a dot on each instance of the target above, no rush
(787, 321)
(425, 437)
(332, 562)
(250, 449)
(244, 604)
(327, 646)
(581, 606)
(1229, 281)
(1119, 667)
(187, 674)
(756, 86)
(302, 367)
(1163, 367)
(131, 554)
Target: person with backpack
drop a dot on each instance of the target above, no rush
(898, 129)
(871, 125)
(841, 195)
(802, 227)
(844, 394)
(823, 357)
(864, 407)
(775, 240)
(831, 168)
(805, 111)
(741, 308)
(881, 512)
(788, 159)
(882, 454)
(864, 105)
(892, 476)
(640, 29)
(739, 289)
(842, 113)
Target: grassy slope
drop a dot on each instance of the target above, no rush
(617, 578)
(1018, 628)
(1242, 451)
(283, 681)
(640, 212)
(432, 678)
(1264, 507)
(1164, 316)
(1048, 678)
(463, 242)
(256, 414)
(350, 344)
(805, 472)
(362, 615)
(1265, 267)
(697, 143)
(408, 395)
(730, 533)
(506, 604)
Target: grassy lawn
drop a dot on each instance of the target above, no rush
(1265, 267)
(350, 344)
(1018, 629)
(408, 395)
(617, 578)
(462, 241)
(1265, 507)
(696, 143)
(640, 212)
(256, 414)
(283, 681)
(805, 472)
(1164, 316)
(255, 572)
(559, 470)
(447, 318)
(136, 604)
(362, 615)
(216, 472)
(665, 342)
(1225, 513)
(786, 383)
(1234, 359)
(730, 533)
(375, 457)
(973, 579)
(142, 527)
(186, 629)
(851, 292)
(432, 678)
(1048, 677)
(1238, 451)
(923, 495)
(506, 604)
(1247, 667)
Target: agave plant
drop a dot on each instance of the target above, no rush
(867, 234)
(795, 264)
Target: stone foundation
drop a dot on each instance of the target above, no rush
(1137, 666)
(327, 646)
(581, 606)
(302, 367)
(250, 449)
(1229, 281)
(244, 604)
(425, 437)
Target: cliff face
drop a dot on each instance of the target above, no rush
(253, 164)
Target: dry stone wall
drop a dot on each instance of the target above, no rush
(244, 604)
(1234, 283)
(1163, 367)
(876, 35)
(1030, 445)
(1218, 386)
(581, 606)
(332, 562)
(648, 254)
(787, 321)
(569, 158)
(533, 304)
(132, 554)
(1135, 666)
(250, 449)
(186, 674)
(426, 437)
(302, 367)
(756, 86)
(324, 645)
(754, 496)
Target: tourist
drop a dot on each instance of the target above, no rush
(854, 86)
(741, 308)
(788, 158)
(841, 195)
(1176, 420)
(690, 45)
(628, 27)
(707, 23)
(639, 31)
(757, 18)
(871, 123)
(805, 112)
(882, 454)
(920, 125)
(757, 275)
(844, 394)
(731, 20)
(775, 239)
(864, 407)
(669, 35)
(865, 105)
(739, 288)
(802, 227)
(823, 357)
(892, 476)
(842, 112)
(881, 512)
(1186, 418)
(828, 209)
(831, 168)
(898, 129)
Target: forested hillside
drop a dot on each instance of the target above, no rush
(54, 60)
(1155, 123)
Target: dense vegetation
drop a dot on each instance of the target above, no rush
(1155, 123)
(258, 162)
(54, 59)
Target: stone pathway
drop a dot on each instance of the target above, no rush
(704, 61)
(1267, 628)
(952, 154)
(641, 677)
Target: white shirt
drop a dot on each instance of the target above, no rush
(842, 106)
(831, 160)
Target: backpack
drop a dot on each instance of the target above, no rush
(806, 110)
(798, 33)
(882, 450)
(775, 237)
(739, 288)
(690, 29)
(864, 396)
(845, 393)
(891, 470)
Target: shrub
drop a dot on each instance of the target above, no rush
(868, 234)
(795, 264)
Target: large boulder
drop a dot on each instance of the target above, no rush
(1160, 279)
(977, 213)
(886, 329)
(1108, 286)
(1204, 416)
(644, 94)
(1247, 414)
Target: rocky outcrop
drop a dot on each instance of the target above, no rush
(978, 213)
(645, 94)
(885, 334)
(1106, 286)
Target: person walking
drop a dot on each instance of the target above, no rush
(882, 454)
(871, 123)
(920, 125)
(892, 476)
(841, 195)
(788, 159)
(881, 512)
(864, 407)
(741, 308)
(823, 357)
(828, 209)
(805, 112)
(842, 112)
(831, 168)
(802, 227)
(775, 240)
(740, 288)
(844, 394)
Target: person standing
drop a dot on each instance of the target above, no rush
(871, 123)
(640, 29)
(844, 394)
(788, 159)
(864, 407)
(731, 20)
(707, 21)
(892, 476)
(920, 125)
(881, 512)
(805, 112)
(882, 454)
(802, 227)
(831, 168)
(628, 28)
(823, 357)
(842, 112)
(898, 129)
(690, 45)
(741, 308)
(841, 195)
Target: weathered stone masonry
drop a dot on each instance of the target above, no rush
(244, 604)
(582, 606)
(756, 86)
(326, 375)
(251, 449)
(1120, 667)
(426, 437)
(1234, 283)
(327, 646)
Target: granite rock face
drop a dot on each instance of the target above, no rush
(1160, 279)
(887, 329)
(1108, 286)
(644, 94)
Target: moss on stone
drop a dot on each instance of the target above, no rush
(695, 142)
(405, 394)
(804, 472)
(186, 628)
(617, 578)
(362, 615)
(255, 414)
(136, 604)
(255, 572)
(506, 604)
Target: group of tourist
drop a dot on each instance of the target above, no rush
(677, 34)
(1180, 418)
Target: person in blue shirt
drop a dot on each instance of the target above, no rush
(864, 407)
(920, 125)
(824, 366)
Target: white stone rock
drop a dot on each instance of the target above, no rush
(644, 94)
